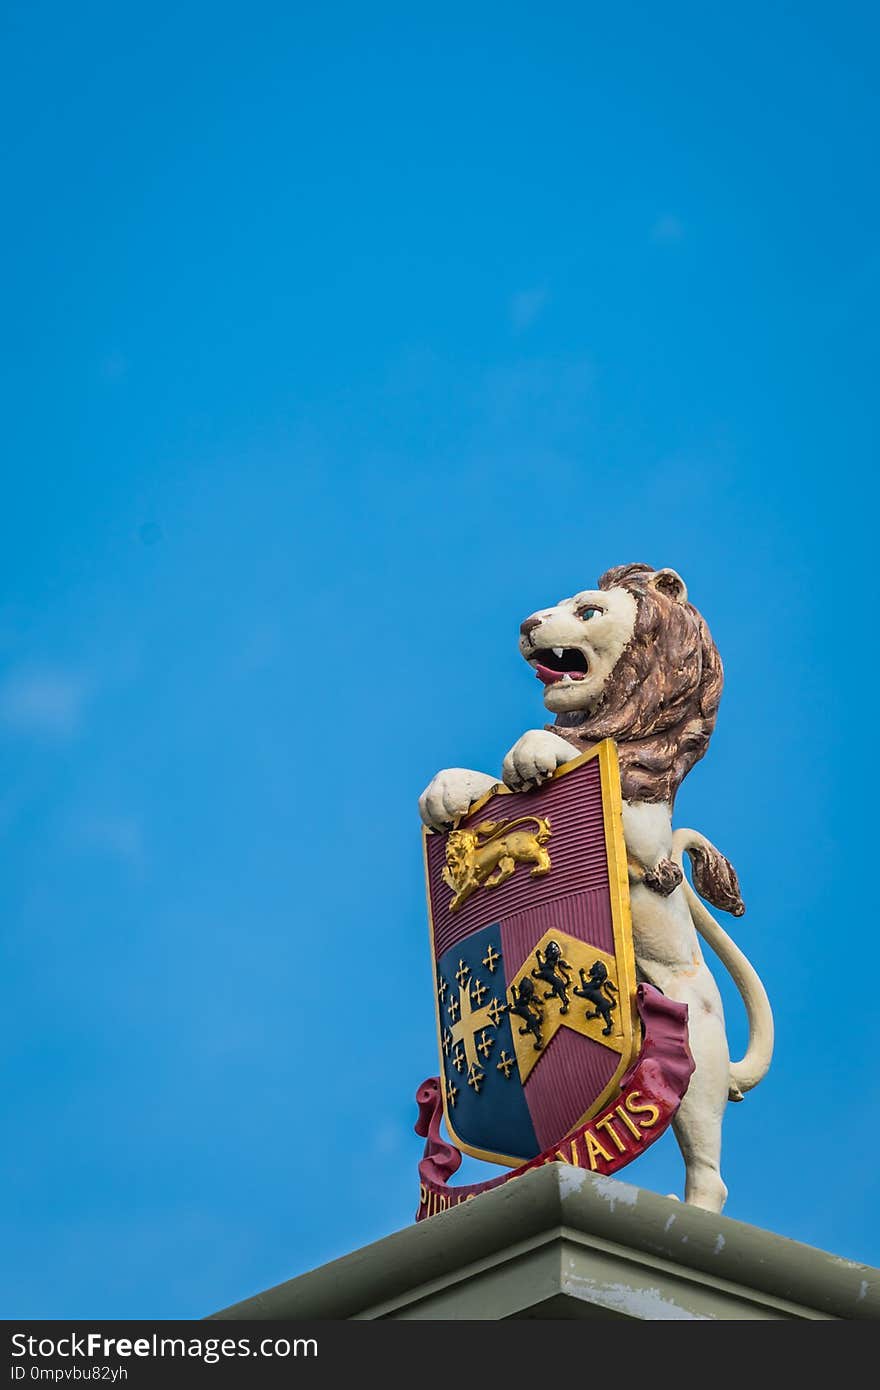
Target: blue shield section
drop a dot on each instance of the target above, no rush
(485, 1101)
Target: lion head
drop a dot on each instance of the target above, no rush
(635, 662)
(460, 846)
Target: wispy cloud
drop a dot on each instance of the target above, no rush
(539, 405)
(118, 836)
(667, 228)
(386, 1139)
(525, 306)
(113, 367)
(48, 702)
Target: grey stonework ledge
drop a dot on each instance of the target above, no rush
(563, 1243)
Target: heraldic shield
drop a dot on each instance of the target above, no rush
(537, 1003)
(533, 951)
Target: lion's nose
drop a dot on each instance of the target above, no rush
(528, 627)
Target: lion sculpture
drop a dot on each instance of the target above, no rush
(634, 661)
(487, 855)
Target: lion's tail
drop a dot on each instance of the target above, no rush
(493, 829)
(715, 878)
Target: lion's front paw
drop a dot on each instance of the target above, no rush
(534, 757)
(664, 878)
(450, 794)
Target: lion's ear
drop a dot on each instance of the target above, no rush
(670, 584)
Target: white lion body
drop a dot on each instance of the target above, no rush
(667, 946)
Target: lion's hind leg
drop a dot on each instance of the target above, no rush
(698, 1121)
(542, 863)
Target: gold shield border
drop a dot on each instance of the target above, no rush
(621, 921)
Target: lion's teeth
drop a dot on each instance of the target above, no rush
(557, 651)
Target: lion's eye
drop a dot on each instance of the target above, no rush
(589, 612)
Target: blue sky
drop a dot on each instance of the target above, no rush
(336, 343)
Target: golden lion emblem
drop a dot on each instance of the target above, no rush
(488, 855)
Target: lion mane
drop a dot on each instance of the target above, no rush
(659, 705)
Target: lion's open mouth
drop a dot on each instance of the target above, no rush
(554, 663)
